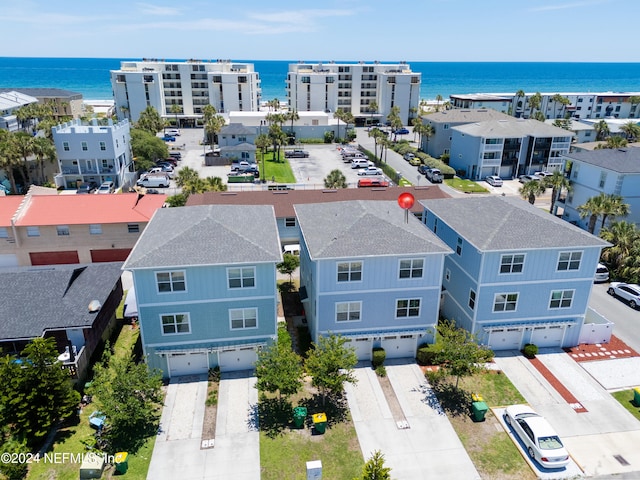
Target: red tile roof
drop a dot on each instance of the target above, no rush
(88, 209)
(8, 206)
(283, 200)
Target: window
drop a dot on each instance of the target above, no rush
(408, 308)
(65, 146)
(447, 275)
(472, 299)
(175, 324)
(512, 263)
(603, 179)
(95, 229)
(569, 261)
(561, 299)
(103, 146)
(350, 272)
(85, 147)
(4, 232)
(33, 231)
(241, 277)
(459, 246)
(170, 281)
(290, 222)
(505, 302)
(243, 318)
(63, 230)
(348, 311)
(411, 268)
(133, 228)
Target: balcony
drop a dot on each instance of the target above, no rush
(76, 368)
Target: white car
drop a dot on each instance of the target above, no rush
(174, 132)
(106, 187)
(370, 171)
(493, 180)
(540, 440)
(628, 292)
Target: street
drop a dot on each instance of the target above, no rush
(626, 320)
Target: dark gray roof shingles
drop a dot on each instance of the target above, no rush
(621, 160)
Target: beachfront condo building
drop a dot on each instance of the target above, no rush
(367, 90)
(180, 90)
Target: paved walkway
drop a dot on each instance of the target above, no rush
(430, 448)
(177, 453)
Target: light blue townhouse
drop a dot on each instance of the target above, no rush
(370, 274)
(613, 171)
(205, 282)
(517, 275)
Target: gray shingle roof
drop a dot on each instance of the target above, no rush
(465, 115)
(241, 147)
(45, 92)
(512, 128)
(35, 300)
(207, 235)
(494, 223)
(237, 129)
(363, 228)
(621, 160)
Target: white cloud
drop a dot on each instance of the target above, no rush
(149, 9)
(567, 6)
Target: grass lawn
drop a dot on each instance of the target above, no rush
(466, 186)
(281, 170)
(70, 438)
(490, 448)
(625, 397)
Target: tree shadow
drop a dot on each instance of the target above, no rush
(335, 407)
(454, 401)
(274, 415)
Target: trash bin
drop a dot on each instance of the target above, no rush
(121, 462)
(476, 397)
(479, 410)
(320, 422)
(299, 415)
(636, 396)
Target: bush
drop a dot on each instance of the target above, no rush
(379, 356)
(530, 350)
(214, 374)
(328, 136)
(381, 371)
(212, 399)
(426, 354)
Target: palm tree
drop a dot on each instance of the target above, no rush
(613, 142)
(150, 120)
(43, 150)
(625, 238)
(275, 104)
(335, 180)
(530, 190)
(634, 100)
(427, 131)
(23, 143)
(535, 101)
(559, 99)
(376, 134)
(339, 115)
(262, 142)
(613, 206)
(592, 208)
(208, 111)
(176, 109)
(557, 182)
(438, 100)
(373, 108)
(9, 158)
(292, 115)
(631, 129)
(213, 126)
(602, 130)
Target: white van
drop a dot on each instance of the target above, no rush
(154, 181)
(360, 163)
(292, 249)
(602, 274)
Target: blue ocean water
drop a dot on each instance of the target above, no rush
(90, 76)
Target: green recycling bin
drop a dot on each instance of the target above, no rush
(121, 462)
(320, 422)
(479, 410)
(636, 396)
(299, 416)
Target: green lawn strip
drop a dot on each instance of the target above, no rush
(466, 186)
(625, 397)
(281, 170)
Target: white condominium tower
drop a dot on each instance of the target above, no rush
(352, 87)
(181, 89)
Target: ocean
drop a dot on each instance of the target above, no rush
(90, 76)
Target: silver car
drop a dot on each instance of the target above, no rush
(629, 292)
(493, 180)
(540, 440)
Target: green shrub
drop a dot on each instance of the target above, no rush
(434, 377)
(214, 374)
(329, 136)
(381, 371)
(426, 354)
(530, 350)
(212, 399)
(379, 356)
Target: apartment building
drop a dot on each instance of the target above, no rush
(352, 87)
(180, 90)
(63, 103)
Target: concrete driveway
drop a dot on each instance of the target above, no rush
(429, 448)
(179, 452)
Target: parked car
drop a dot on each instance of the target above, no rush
(168, 169)
(174, 132)
(434, 175)
(629, 292)
(493, 180)
(244, 167)
(296, 154)
(423, 169)
(370, 171)
(372, 182)
(176, 155)
(401, 131)
(543, 174)
(87, 187)
(528, 178)
(540, 440)
(169, 138)
(602, 274)
(157, 180)
(106, 187)
(408, 156)
(361, 163)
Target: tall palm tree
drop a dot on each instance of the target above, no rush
(535, 101)
(613, 206)
(292, 116)
(262, 142)
(427, 131)
(631, 129)
(9, 158)
(373, 108)
(43, 149)
(213, 126)
(625, 238)
(557, 182)
(335, 180)
(23, 143)
(530, 190)
(208, 111)
(275, 104)
(417, 127)
(612, 142)
(176, 109)
(376, 134)
(592, 208)
(438, 100)
(602, 130)
(339, 115)
(559, 99)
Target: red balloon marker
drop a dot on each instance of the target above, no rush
(406, 201)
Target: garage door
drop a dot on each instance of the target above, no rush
(110, 255)
(550, 336)
(505, 339)
(54, 258)
(188, 364)
(401, 346)
(240, 359)
(362, 346)
(8, 260)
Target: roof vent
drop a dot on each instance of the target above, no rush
(94, 306)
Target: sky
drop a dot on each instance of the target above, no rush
(340, 30)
